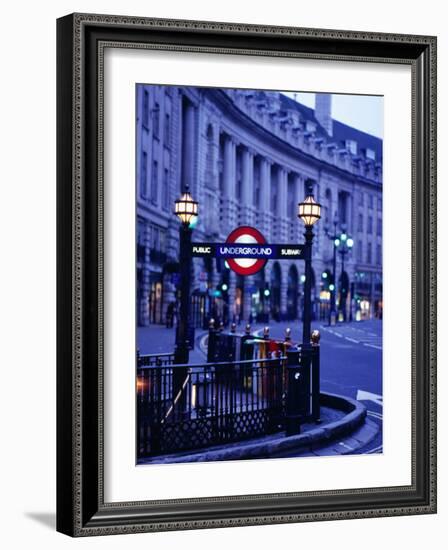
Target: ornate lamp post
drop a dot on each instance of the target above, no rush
(346, 244)
(309, 213)
(299, 362)
(334, 237)
(186, 209)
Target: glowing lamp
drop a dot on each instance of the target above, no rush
(309, 211)
(186, 209)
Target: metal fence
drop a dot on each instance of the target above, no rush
(250, 386)
(186, 407)
(155, 360)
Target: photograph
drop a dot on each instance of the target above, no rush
(258, 274)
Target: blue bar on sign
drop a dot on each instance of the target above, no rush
(250, 251)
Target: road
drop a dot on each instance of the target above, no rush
(351, 364)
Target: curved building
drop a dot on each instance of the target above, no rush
(247, 156)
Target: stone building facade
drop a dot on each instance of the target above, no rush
(248, 156)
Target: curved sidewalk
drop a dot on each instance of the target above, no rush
(278, 445)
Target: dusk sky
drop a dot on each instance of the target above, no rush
(360, 111)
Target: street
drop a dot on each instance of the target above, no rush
(351, 360)
(351, 364)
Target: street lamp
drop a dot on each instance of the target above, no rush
(309, 213)
(186, 209)
(299, 362)
(334, 237)
(345, 247)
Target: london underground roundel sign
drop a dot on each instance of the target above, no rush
(246, 235)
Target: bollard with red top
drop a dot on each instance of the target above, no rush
(315, 375)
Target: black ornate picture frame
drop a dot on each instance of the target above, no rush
(81, 508)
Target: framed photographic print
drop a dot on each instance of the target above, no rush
(246, 274)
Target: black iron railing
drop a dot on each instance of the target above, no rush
(157, 360)
(186, 407)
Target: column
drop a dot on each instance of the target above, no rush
(229, 183)
(298, 187)
(265, 196)
(247, 187)
(188, 144)
(282, 204)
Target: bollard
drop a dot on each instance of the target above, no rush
(287, 343)
(315, 376)
(247, 350)
(212, 338)
(296, 397)
(233, 328)
(266, 333)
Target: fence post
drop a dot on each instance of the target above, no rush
(315, 374)
(246, 351)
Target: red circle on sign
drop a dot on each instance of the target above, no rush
(254, 235)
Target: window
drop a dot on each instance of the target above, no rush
(370, 154)
(239, 177)
(165, 189)
(360, 223)
(162, 240)
(145, 114)
(379, 228)
(379, 204)
(369, 225)
(370, 201)
(342, 207)
(359, 253)
(154, 237)
(351, 146)
(369, 253)
(141, 241)
(291, 200)
(143, 174)
(310, 127)
(154, 182)
(378, 254)
(361, 198)
(166, 130)
(156, 120)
